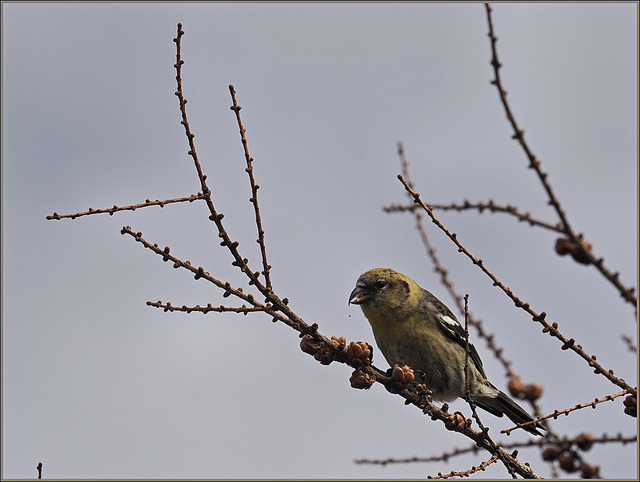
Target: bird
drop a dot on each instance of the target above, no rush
(412, 327)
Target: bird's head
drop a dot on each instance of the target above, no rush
(383, 291)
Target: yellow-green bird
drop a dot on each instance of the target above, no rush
(413, 327)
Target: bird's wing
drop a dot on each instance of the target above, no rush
(452, 328)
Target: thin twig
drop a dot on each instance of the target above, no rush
(534, 163)
(557, 413)
(483, 430)
(216, 217)
(132, 207)
(206, 309)
(518, 132)
(254, 190)
(630, 343)
(552, 329)
(200, 273)
(466, 473)
(482, 207)
(289, 318)
(466, 346)
(564, 442)
(444, 457)
(183, 111)
(467, 380)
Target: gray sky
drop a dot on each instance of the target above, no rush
(96, 384)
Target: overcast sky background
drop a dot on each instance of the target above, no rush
(98, 385)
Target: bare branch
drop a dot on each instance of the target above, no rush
(579, 406)
(183, 111)
(630, 343)
(466, 345)
(482, 207)
(199, 272)
(563, 442)
(206, 309)
(467, 392)
(518, 132)
(254, 190)
(132, 207)
(216, 217)
(466, 473)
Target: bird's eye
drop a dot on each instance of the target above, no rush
(380, 284)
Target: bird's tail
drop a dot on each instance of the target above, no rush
(502, 404)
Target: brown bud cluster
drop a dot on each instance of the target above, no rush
(361, 380)
(631, 405)
(570, 461)
(359, 353)
(584, 441)
(551, 453)
(570, 464)
(335, 341)
(456, 422)
(402, 377)
(578, 251)
(309, 345)
(589, 471)
(530, 392)
(567, 462)
(324, 355)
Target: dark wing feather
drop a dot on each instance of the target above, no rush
(450, 326)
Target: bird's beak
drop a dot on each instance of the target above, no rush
(359, 295)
